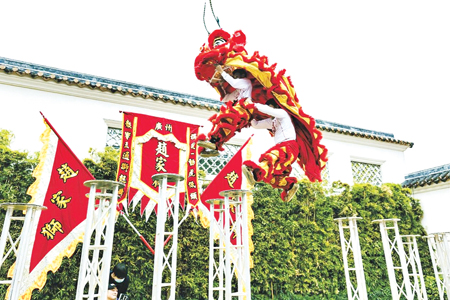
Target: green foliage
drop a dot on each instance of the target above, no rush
(6, 138)
(297, 248)
(103, 165)
(16, 170)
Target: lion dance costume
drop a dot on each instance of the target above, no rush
(228, 50)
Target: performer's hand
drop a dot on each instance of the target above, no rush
(219, 68)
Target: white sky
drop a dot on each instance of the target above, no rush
(379, 65)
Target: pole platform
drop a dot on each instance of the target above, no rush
(165, 260)
(229, 255)
(20, 246)
(95, 261)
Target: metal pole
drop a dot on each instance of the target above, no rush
(3, 240)
(237, 257)
(212, 269)
(159, 240)
(107, 253)
(161, 258)
(439, 246)
(388, 257)
(344, 257)
(396, 245)
(352, 246)
(228, 270)
(175, 206)
(246, 244)
(86, 241)
(21, 270)
(100, 220)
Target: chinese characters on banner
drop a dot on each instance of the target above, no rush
(152, 145)
(229, 178)
(59, 186)
(65, 200)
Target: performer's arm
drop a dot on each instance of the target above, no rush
(263, 124)
(237, 83)
(274, 112)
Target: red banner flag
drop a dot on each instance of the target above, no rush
(152, 145)
(60, 176)
(229, 178)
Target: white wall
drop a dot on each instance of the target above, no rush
(435, 202)
(343, 149)
(79, 121)
(78, 115)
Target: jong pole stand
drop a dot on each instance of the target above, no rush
(21, 246)
(351, 252)
(166, 240)
(229, 255)
(394, 252)
(95, 262)
(439, 245)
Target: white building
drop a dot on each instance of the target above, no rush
(83, 107)
(432, 188)
(85, 110)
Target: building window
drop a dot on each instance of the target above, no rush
(366, 173)
(326, 176)
(213, 165)
(114, 138)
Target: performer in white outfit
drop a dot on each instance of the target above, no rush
(275, 165)
(243, 90)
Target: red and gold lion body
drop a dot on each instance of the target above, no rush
(267, 84)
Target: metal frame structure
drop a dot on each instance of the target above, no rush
(226, 259)
(168, 204)
(95, 262)
(439, 245)
(351, 247)
(392, 247)
(20, 246)
(414, 267)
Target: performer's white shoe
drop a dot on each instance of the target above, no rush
(291, 192)
(248, 173)
(207, 144)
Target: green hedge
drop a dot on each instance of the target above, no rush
(297, 249)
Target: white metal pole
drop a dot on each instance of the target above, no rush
(107, 252)
(396, 245)
(352, 246)
(404, 265)
(360, 278)
(246, 243)
(161, 259)
(96, 258)
(3, 239)
(176, 206)
(388, 256)
(228, 269)
(159, 239)
(344, 257)
(21, 270)
(239, 263)
(432, 246)
(423, 290)
(219, 227)
(440, 253)
(84, 262)
(212, 269)
(444, 253)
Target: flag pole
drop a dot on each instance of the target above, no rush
(139, 234)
